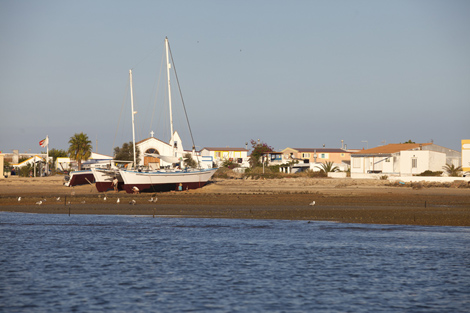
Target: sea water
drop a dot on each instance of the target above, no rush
(85, 263)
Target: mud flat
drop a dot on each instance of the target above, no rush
(341, 200)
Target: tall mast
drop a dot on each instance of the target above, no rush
(168, 66)
(133, 113)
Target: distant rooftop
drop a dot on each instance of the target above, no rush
(393, 148)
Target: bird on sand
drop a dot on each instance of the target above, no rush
(313, 203)
(117, 201)
(153, 199)
(133, 202)
(19, 198)
(57, 199)
(105, 198)
(39, 202)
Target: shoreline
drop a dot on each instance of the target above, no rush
(338, 200)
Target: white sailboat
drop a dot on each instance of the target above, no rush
(167, 179)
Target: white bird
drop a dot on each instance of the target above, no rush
(83, 201)
(151, 199)
(104, 198)
(155, 200)
(58, 199)
(19, 198)
(39, 202)
(132, 202)
(313, 203)
(117, 201)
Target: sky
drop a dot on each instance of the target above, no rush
(299, 74)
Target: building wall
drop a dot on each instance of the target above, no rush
(452, 156)
(416, 162)
(386, 164)
(219, 155)
(466, 155)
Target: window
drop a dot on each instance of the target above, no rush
(305, 155)
(323, 156)
(151, 150)
(414, 163)
(218, 154)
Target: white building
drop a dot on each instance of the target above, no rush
(402, 160)
(166, 151)
(66, 164)
(466, 157)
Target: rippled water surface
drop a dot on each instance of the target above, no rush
(83, 263)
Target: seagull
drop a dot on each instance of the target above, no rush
(132, 202)
(58, 199)
(117, 201)
(151, 199)
(39, 202)
(155, 200)
(83, 201)
(104, 198)
(19, 198)
(313, 203)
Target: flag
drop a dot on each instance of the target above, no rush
(45, 142)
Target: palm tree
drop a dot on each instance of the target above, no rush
(80, 148)
(328, 167)
(452, 170)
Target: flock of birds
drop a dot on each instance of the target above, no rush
(133, 202)
(118, 201)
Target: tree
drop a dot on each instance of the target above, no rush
(126, 152)
(229, 164)
(54, 153)
(189, 161)
(409, 141)
(80, 148)
(328, 167)
(452, 170)
(259, 148)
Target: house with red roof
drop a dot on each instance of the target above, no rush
(403, 159)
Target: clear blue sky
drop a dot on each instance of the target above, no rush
(290, 73)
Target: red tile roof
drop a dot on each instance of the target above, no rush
(393, 148)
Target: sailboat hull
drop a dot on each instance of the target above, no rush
(80, 178)
(165, 181)
(104, 180)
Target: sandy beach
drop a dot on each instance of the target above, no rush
(340, 200)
